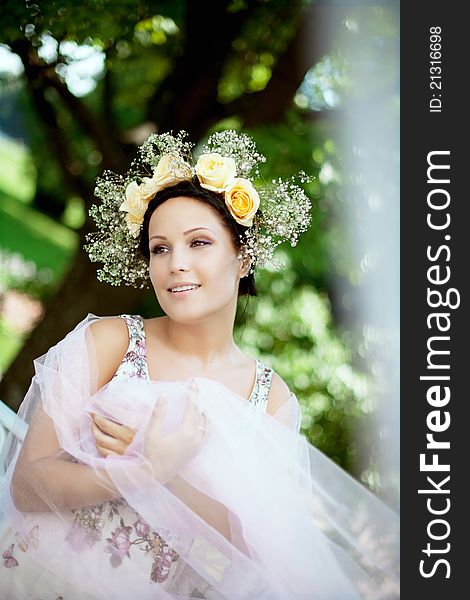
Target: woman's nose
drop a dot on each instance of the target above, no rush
(179, 261)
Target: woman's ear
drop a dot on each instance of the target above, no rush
(245, 263)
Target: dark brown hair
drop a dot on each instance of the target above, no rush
(192, 189)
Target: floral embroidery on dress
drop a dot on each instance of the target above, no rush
(86, 529)
(120, 544)
(9, 560)
(30, 540)
(23, 543)
(113, 507)
(163, 556)
(134, 363)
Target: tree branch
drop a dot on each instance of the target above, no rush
(303, 52)
(108, 95)
(57, 140)
(97, 130)
(187, 98)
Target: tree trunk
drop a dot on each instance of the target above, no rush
(188, 100)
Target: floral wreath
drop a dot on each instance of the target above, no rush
(228, 165)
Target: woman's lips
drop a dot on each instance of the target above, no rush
(183, 293)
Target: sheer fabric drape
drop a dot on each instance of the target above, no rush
(257, 513)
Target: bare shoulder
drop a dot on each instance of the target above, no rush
(111, 340)
(279, 393)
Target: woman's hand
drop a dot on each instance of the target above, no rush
(111, 437)
(169, 452)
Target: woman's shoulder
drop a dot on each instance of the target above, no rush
(103, 327)
(111, 340)
(279, 393)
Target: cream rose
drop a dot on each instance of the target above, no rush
(148, 188)
(134, 202)
(215, 172)
(171, 169)
(242, 201)
(134, 223)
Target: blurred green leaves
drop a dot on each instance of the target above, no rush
(291, 329)
(140, 45)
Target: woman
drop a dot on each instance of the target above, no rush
(161, 461)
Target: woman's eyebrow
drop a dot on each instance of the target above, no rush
(162, 237)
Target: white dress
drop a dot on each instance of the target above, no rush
(257, 513)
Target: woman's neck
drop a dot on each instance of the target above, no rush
(208, 343)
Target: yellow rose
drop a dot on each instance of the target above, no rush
(242, 201)
(215, 172)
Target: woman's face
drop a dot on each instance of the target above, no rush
(190, 247)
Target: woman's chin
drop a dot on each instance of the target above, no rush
(184, 314)
(191, 310)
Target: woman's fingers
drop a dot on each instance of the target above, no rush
(159, 410)
(107, 442)
(190, 414)
(204, 429)
(115, 430)
(106, 452)
(194, 420)
(205, 426)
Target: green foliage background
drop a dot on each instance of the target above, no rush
(292, 325)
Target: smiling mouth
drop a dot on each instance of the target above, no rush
(183, 288)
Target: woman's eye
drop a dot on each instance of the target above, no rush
(165, 250)
(158, 250)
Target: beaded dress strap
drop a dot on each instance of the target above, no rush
(258, 400)
(134, 363)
